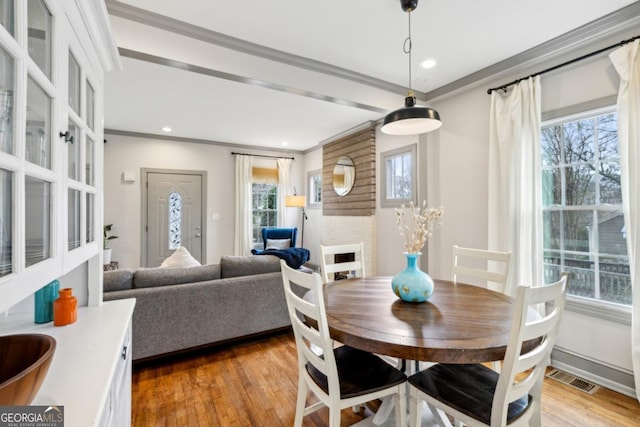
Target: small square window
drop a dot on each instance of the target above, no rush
(399, 176)
(314, 189)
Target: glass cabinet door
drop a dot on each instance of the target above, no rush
(37, 220)
(73, 151)
(7, 84)
(74, 84)
(51, 144)
(37, 138)
(80, 150)
(7, 15)
(40, 34)
(90, 160)
(91, 105)
(6, 222)
(91, 217)
(73, 220)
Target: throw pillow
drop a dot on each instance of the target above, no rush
(180, 258)
(278, 243)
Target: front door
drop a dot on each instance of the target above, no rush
(174, 215)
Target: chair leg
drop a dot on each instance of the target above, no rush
(439, 415)
(383, 412)
(535, 420)
(415, 414)
(334, 416)
(401, 406)
(300, 404)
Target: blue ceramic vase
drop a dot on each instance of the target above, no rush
(412, 284)
(44, 299)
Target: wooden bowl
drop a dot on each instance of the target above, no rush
(24, 362)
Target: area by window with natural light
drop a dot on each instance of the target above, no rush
(264, 209)
(584, 231)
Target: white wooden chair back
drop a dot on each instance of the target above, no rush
(330, 267)
(310, 327)
(487, 268)
(535, 361)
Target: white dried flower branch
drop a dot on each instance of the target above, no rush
(416, 227)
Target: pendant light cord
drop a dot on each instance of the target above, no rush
(407, 48)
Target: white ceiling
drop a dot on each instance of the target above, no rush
(260, 73)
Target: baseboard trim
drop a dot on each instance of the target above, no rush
(606, 376)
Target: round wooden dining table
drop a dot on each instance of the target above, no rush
(459, 324)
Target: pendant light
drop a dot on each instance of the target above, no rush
(411, 119)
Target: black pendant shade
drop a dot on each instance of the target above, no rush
(410, 120)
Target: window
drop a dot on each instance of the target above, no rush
(175, 220)
(314, 179)
(399, 176)
(264, 209)
(582, 206)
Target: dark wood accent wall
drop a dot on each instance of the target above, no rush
(360, 147)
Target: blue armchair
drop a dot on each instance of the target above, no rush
(279, 233)
(295, 257)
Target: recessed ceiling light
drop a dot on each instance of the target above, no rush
(428, 63)
(166, 129)
(285, 143)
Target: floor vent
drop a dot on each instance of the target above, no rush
(573, 381)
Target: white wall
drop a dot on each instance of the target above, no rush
(123, 204)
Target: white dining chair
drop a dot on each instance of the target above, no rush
(330, 267)
(478, 396)
(481, 267)
(341, 377)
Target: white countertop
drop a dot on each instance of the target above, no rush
(85, 359)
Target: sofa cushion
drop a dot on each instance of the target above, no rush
(180, 258)
(117, 280)
(235, 266)
(150, 277)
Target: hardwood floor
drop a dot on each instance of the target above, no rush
(254, 383)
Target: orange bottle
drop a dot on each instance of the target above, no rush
(65, 308)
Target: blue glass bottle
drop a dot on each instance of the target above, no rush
(44, 298)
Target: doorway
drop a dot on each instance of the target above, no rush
(173, 209)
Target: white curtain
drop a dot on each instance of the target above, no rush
(284, 171)
(515, 194)
(625, 60)
(244, 218)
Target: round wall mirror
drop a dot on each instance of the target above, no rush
(344, 176)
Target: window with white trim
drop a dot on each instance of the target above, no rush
(314, 190)
(399, 176)
(583, 219)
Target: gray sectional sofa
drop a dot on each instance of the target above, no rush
(183, 308)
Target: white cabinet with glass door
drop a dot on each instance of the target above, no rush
(51, 84)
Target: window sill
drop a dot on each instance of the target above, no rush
(603, 310)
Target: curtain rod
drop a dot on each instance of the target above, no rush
(233, 153)
(588, 55)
